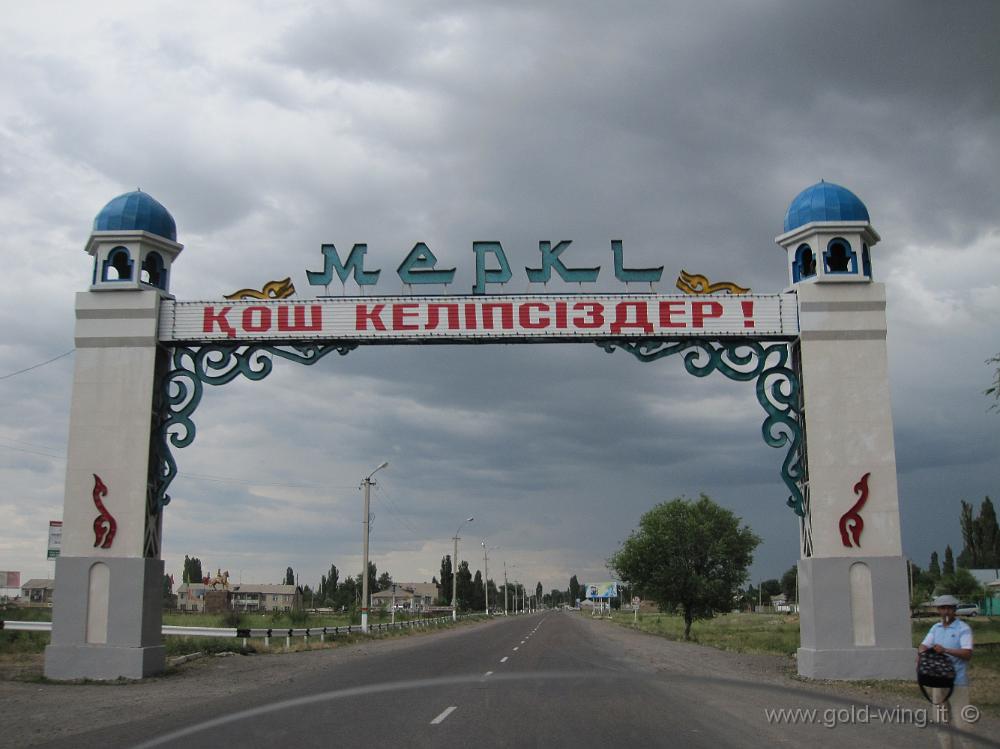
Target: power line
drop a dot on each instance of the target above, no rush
(36, 366)
(42, 450)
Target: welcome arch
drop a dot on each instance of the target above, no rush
(815, 350)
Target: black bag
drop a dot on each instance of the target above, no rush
(935, 670)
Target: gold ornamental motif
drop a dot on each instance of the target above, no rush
(693, 283)
(271, 290)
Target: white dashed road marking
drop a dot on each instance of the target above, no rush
(504, 659)
(448, 711)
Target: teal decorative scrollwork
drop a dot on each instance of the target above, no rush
(777, 389)
(182, 386)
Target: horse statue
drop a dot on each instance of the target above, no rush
(221, 578)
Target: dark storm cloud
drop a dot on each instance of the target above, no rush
(683, 130)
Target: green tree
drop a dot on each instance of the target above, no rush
(464, 584)
(948, 568)
(372, 578)
(289, 576)
(961, 584)
(384, 581)
(934, 570)
(446, 579)
(347, 593)
(980, 535)
(192, 570)
(789, 581)
(538, 592)
(922, 585)
(574, 590)
(478, 601)
(770, 588)
(690, 554)
(328, 586)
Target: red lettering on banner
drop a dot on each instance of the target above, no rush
(212, 318)
(506, 315)
(524, 315)
(261, 324)
(700, 311)
(402, 311)
(667, 311)
(641, 317)
(363, 316)
(470, 317)
(595, 314)
(748, 314)
(299, 318)
(434, 316)
(562, 321)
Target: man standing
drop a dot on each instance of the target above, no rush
(953, 637)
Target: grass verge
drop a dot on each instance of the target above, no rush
(779, 635)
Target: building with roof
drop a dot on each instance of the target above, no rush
(407, 596)
(250, 597)
(191, 597)
(38, 592)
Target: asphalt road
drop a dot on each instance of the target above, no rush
(553, 679)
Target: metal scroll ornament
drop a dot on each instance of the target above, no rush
(776, 381)
(191, 368)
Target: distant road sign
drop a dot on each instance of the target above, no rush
(635, 600)
(55, 538)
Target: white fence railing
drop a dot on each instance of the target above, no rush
(266, 633)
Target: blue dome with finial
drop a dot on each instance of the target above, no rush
(824, 201)
(136, 210)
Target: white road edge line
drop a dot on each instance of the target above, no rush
(504, 659)
(448, 711)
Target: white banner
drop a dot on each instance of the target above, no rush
(419, 319)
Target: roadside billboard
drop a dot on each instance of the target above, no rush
(10, 579)
(602, 591)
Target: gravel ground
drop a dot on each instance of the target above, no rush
(40, 711)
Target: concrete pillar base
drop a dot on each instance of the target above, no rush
(854, 619)
(107, 619)
(858, 663)
(103, 662)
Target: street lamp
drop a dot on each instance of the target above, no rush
(367, 484)
(486, 574)
(454, 573)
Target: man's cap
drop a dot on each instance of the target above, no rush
(946, 601)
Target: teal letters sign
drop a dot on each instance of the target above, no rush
(419, 267)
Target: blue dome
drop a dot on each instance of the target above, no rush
(136, 210)
(824, 201)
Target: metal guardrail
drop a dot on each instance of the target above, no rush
(266, 633)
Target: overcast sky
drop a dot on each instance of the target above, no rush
(268, 128)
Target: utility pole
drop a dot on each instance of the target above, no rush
(367, 484)
(454, 573)
(486, 577)
(394, 603)
(505, 587)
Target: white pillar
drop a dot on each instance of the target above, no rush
(854, 606)
(107, 614)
